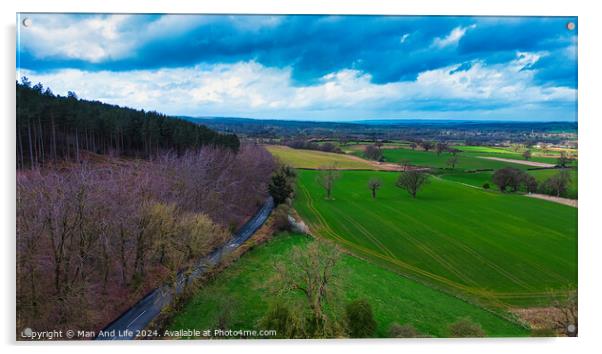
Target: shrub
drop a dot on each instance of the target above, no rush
(486, 186)
(280, 220)
(465, 328)
(530, 183)
(513, 178)
(360, 319)
(403, 331)
(543, 332)
(281, 319)
(557, 185)
(507, 177)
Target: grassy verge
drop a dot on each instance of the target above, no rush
(394, 298)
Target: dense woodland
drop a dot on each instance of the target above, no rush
(52, 127)
(112, 202)
(94, 238)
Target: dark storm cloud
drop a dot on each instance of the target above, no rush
(390, 48)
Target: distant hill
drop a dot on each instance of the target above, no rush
(540, 126)
(485, 131)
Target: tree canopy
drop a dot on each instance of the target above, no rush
(51, 127)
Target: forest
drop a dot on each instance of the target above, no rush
(113, 202)
(52, 127)
(94, 238)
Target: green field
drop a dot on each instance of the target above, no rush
(541, 175)
(316, 159)
(502, 248)
(393, 298)
(468, 159)
(504, 152)
(431, 159)
(477, 179)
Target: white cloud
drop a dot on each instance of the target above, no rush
(453, 37)
(251, 90)
(88, 38)
(403, 38)
(98, 38)
(507, 84)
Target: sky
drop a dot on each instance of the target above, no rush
(334, 68)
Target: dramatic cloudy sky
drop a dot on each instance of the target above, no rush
(310, 67)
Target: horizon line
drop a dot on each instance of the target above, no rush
(383, 120)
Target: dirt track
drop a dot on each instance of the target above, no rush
(520, 162)
(387, 166)
(565, 201)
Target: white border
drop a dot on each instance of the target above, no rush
(377, 7)
(589, 134)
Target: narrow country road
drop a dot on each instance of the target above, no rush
(135, 319)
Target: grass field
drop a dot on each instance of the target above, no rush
(541, 175)
(550, 156)
(507, 249)
(316, 159)
(431, 159)
(477, 179)
(393, 298)
(468, 159)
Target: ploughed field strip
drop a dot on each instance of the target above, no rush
(519, 162)
(505, 249)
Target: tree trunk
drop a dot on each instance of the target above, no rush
(53, 137)
(20, 140)
(30, 145)
(77, 146)
(122, 256)
(34, 294)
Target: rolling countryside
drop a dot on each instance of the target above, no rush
(505, 249)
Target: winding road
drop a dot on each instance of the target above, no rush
(128, 325)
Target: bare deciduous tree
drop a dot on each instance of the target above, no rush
(557, 184)
(405, 164)
(374, 184)
(440, 147)
(92, 238)
(412, 181)
(326, 178)
(373, 152)
(564, 159)
(427, 145)
(452, 161)
(311, 272)
(567, 309)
